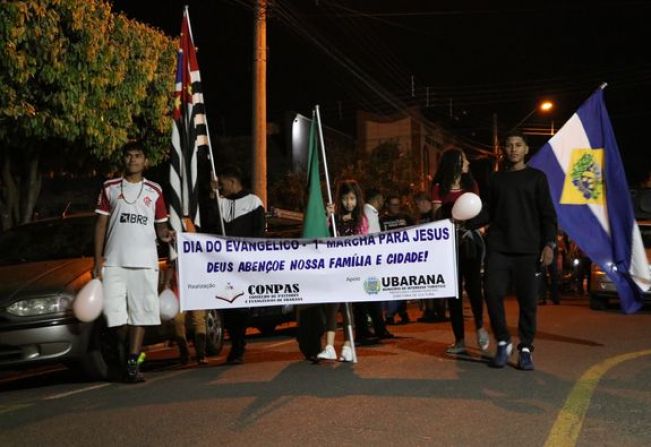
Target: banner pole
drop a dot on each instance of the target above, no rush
(349, 314)
(210, 153)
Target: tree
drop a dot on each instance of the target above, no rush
(76, 83)
(385, 168)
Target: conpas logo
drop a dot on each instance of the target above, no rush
(229, 294)
(372, 285)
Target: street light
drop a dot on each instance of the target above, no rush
(544, 106)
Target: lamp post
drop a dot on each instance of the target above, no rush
(544, 106)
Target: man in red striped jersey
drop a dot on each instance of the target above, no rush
(131, 212)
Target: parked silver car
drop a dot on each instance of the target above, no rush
(42, 267)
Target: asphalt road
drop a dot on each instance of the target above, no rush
(591, 387)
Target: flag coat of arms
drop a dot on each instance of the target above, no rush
(189, 134)
(592, 200)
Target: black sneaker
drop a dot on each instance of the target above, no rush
(235, 357)
(234, 360)
(502, 355)
(389, 321)
(133, 374)
(386, 335)
(525, 360)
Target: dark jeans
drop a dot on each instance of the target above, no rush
(236, 321)
(470, 272)
(502, 269)
(361, 313)
(550, 283)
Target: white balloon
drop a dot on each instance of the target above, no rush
(467, 206)
(169, 305)
(87, 306)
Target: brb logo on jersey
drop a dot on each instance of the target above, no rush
(133, 218)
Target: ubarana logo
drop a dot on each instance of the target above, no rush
(372, 285)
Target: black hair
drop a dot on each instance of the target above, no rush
(516, 134)
(231, 171)
(390, 197)
(347, 186)
(372, 193)
(450, 168)
(134, 145)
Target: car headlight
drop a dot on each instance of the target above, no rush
(42, 305)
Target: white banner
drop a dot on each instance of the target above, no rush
(223, 273)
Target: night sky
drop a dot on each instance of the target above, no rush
(477, 58)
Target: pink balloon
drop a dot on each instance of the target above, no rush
(88, 303)
(467, 206)
(169, 305)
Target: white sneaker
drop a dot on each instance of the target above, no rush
(346, 354)
(483, 340)
(328, 353)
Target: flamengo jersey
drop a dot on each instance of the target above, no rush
(133, 209)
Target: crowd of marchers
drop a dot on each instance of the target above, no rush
(508, 246)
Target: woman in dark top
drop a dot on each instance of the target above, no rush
(452, 179)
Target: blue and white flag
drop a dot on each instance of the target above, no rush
(591, 196)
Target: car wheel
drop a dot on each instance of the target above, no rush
(105, 356)
(266, 329)
(598, 302)
(214, 332)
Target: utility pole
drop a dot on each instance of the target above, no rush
(259, 168)
(496, 142)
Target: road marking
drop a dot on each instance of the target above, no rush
(275, 345)
(565, 431)
(82, 390)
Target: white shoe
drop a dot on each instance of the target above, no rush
(483, 340)
(328, 353)
(346, 354)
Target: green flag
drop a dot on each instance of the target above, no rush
(314, 220)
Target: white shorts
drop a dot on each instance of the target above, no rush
(131, 296)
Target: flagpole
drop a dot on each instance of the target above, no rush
(349, 314)
(210, 153)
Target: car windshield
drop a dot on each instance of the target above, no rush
(47, 240)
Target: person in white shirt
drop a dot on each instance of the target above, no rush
(131, 212)
(372, 208)
(374, 203)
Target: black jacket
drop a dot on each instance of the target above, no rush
(244, 215)
(520, 212)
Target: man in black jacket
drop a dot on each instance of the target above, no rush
(520, 242)
(244, 216)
